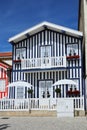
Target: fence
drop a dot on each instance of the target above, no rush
(36, 104)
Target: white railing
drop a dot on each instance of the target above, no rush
(46, 62)
(36, 104)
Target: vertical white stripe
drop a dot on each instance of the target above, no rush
(30, 78)
(33, 78)
(60, 45)
(38, 75)
(77, 73)
(46, 37)
(64, 85)
(30, 48)
(80, 81)
(33, 47)
(73, 73)
(55, 43)
(27, 48)
(54, 82)
(14, 54)
(45, 75)
(64, 46)
(49, 38)
(42, 38)
(36, 84)
(36, 46)
(70, 73)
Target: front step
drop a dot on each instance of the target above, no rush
(33, 113)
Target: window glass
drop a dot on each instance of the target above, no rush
(2, 85)
(20, 92)
(20, 53)
(45, 51)
(72, 49)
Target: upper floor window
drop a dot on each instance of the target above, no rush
(45, 51)
(20, 53)
(72, 49)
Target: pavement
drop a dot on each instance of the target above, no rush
(43, 123)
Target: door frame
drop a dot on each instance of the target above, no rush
(51, 88)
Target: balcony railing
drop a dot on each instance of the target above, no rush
(46, 62)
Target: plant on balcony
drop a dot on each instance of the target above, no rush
(43, 95)
(48, 94)
(70, 53)
(30, 91)
(58, 92)
(74, 93)
(74, 52)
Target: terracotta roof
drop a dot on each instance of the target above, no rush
(6, 54)
(2, 63)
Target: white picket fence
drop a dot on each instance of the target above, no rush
(37, 104)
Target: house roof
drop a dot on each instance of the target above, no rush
(41, 27)
(5, 65)
(6, 55)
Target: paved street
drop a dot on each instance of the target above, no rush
(42, 123)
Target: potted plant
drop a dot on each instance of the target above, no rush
(48, 94)
(58, 92)
(74, 52)
(70, 53)
(30, 91)
(76, 92)
(43, 95)
(70, 92)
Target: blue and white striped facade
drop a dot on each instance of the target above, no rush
(44, 58)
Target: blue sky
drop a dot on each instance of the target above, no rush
(19, 15)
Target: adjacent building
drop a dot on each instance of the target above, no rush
(82, 26)
(5, 73)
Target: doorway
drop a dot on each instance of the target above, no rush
(45, 89)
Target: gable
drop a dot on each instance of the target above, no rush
(41, 27)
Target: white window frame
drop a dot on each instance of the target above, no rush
(20, 53)
(45, 51)
(20, 92)
(72, 49)
(2, 84)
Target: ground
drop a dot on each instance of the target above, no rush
(43, 123)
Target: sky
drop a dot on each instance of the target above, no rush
(17, 16)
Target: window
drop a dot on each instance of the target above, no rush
(72, 49)
(20, 92)
(20, 53)
(2, 85)
(45, 51)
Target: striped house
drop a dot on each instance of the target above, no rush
(5, 73)
(42, 56)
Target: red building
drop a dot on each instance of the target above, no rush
(5, 72)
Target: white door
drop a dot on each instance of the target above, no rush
(45, 56)
(45, 89)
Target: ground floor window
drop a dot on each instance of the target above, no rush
(2, 84)
(20, 92)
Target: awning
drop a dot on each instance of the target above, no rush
(64, 82)
(20, 83)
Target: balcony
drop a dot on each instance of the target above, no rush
(46, 62)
